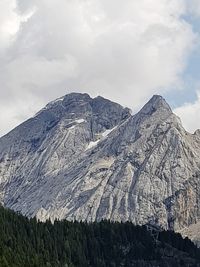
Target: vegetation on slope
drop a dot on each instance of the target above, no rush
(27, 243)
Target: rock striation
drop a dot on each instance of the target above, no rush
(84, 158)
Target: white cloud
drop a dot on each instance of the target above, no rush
(9, 22)
(125, 51)
(193, 7)
(190, 114)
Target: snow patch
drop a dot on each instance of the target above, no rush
(79, 120)
(74, 123)
(54, 102)
(104, 135)
(72, 127)
(92, 144)
(49, 105)
(107, 132)
(58, 99)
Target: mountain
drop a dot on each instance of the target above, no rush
(89, 159)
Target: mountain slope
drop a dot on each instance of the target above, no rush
(56, 136)
(90, 159)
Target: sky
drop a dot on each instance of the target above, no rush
(123, 50)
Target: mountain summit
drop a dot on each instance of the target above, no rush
(155, 103)
(89, 159)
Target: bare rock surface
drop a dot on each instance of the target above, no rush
(90, 159)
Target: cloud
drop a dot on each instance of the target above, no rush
(125, 51)
(193, 7)
(190, 114)
(9, 23)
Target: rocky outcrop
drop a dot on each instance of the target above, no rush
(90, 159)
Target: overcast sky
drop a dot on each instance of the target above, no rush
(123, 50)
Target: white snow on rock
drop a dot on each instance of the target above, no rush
(92, 144)
(104, 135)
(79, 121)
(57, 100)
(107, 132)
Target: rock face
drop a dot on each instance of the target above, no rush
(90, 159)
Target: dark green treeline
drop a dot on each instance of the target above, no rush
(28, 243)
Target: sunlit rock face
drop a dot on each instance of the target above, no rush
(89, 159)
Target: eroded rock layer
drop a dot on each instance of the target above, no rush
(90, 159)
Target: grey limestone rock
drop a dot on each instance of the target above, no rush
(90, 159)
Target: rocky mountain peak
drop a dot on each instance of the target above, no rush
(87, 158)
(82, 104)
(156, 103)
(67, 102)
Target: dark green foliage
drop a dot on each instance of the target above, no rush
(27, 243)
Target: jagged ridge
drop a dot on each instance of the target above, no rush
(89, 159)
